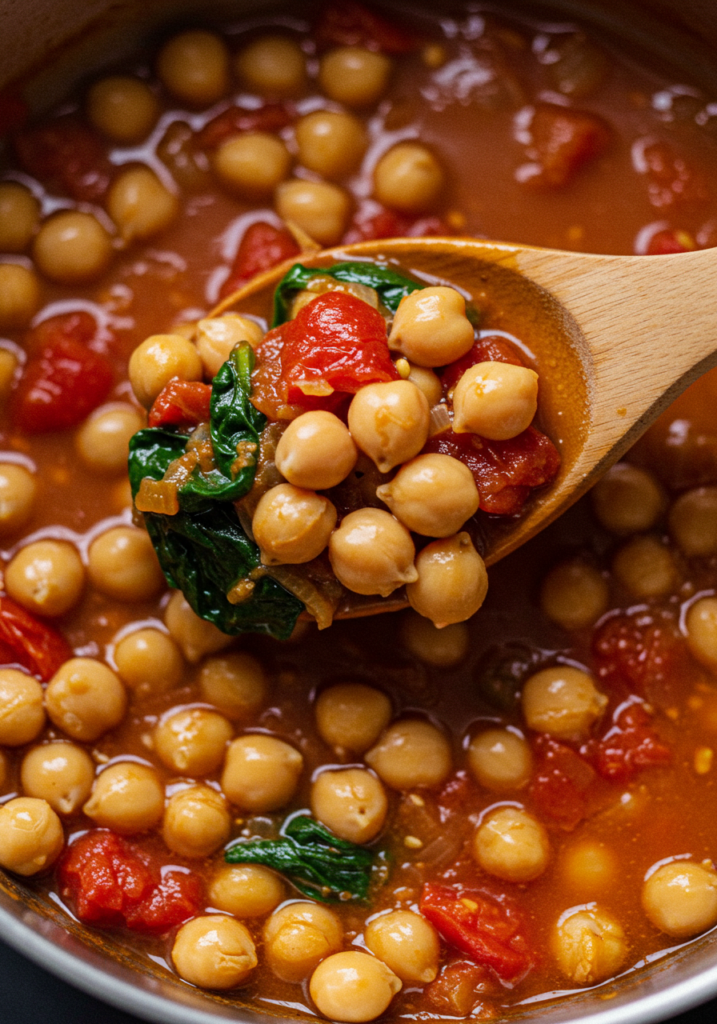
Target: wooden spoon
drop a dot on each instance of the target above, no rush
(616, 339)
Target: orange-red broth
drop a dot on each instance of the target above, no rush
(661, 814)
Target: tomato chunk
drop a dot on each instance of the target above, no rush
(458, 990)
(113, 883)
(640, 651)
(492, 349)
(335, 345)
(632, 743)
(671, 181)
(63, 380)
(485, 926)
(181, 403)
(668, 241)
(26, 641)
(560, 781)
(69, 155)
(13, 111)
(272, 117)
(564, 140)
(352, 24)
(505, 471)
(262, 247)
(368, 226)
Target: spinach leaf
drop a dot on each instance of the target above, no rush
(150, 452)
(318, 863)
(391, 287)
(234, 420)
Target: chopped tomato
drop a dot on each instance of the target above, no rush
(458, 989)
(262, 247)
(367, 227)
(349, 23)
(272, 117)
(454, 793)
(335, 345)
(26, 641)
(181, 403)
(505, 471)
(492, 349)
(63, 380)
(13, 111)
(560, 780)
(485, 926)
(641, 651)
(671, 181)
(112, 883)
(564, 140)
(668, 241)
(69, 155)
(632, 743)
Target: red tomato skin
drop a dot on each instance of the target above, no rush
(564, 140)
(14, 111)
(352, 24)
(491, 349)
(181, 403)
(560, 780)
(177, 898)
(483, 925)
(26, 641)
(369, 226)
(640, 651)
(669, 241)
(632, 743)
(272, 117)
(68, 154)
(262, 247)
(458, 989)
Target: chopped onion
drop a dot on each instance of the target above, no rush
(158, 496)
(440, 420)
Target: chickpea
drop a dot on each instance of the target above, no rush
(389, 422)
(19, 295)
(158, 360)
(354, 76)
(588, 867)
(407, 944)
(495, 400)
(452, 581)
(123, 565)
(292, 525)
(84, 698)
(512, 844)
(235, 683)
(60, 773)
(102, 442)
(693, 522)
(19, 216)
(31, 836)
(261, 772)
(351, 802)
(317, 207)
(372, 553)
(298, 937)
(562, 702)
(353, 986)
(72, 247)
(681, 898)
(645, 567)
(409, 178)
(246, 890)
(194, 67)
(352, 716)
(574, 594)
(196, 822)
(431, 328)
(701, 625)
(411, 753)
(127, 798)
(148, 662)
(192, 741)
(253, 163)
(589, 945)
(272, 65)
(500, 760)
(628, 499)
(444, 648)
(214, 952)
(46, 577)
(331, 142)
(316, 451)
(217, 336)
(432, 494)
(140, 205)
(9, 363)
(123, 108)
(22, 715)
(426, 381)
(195, 637)
(18, 488)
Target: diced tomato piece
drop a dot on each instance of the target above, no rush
(177, 898)
(668, 241)
(181, 403)
(334, 346)
(369, 226)
(349, 23)
(262, 247)
(505, 471)
(458, 989)
(632, 743)
(272, 117)
(454, 794)
(485, 926)
(13, 111)
(26, 641)
(63, 380)
(68, 154)
(641, 651)
(671, 181)
(105, 878)
(492, 349)
(560, 781)
(564, 140)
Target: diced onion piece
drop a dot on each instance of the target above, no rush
(160, 496)
(440, 420)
